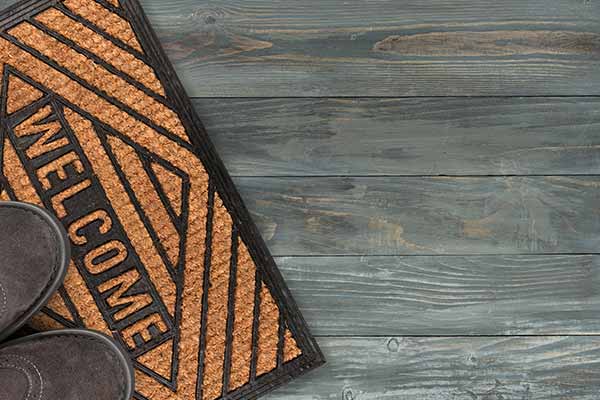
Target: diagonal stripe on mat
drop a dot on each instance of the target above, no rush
(165, 256)
(86, 38)
(98, 76)
(108, 21)
(116, 193)
(21, 184)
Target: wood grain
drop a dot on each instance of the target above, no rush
(454, 256)
(440, 215)
(381, 48)
(474, 368)
(263, 48)
(418, 136)
(447, 295)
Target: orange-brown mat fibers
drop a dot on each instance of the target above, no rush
(96, 128)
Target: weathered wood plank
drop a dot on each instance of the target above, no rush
(484, 368)
(442, 295)
(419, 136)
(392, 48)
(440, 215)
(382, 47)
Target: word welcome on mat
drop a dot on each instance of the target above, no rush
(97, 128)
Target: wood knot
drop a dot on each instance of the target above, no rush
(393, 345)
(347, 394)
(472, 360)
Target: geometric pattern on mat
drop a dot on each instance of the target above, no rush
(97, 128)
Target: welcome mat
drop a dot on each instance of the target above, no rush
(97, 128)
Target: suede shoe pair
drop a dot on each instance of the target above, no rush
(59, 365)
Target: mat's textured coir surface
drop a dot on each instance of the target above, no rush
(97, 128)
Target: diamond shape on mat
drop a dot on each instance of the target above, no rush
(166, 259)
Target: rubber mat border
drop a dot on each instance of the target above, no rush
(311, 356)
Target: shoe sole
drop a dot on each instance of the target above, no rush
(124, 359)
(64, 248)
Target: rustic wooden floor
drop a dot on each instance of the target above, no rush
(427, 173)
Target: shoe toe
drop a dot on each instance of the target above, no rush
(33, 259)
(68, 365)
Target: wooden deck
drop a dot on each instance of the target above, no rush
(427, 173)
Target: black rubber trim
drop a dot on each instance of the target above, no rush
(200, 144)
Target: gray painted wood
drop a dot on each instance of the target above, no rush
(414, 48)
(439, 215)
(264, 48)
(381, 47)
(474, 368)
(418, 136)
(441, 295)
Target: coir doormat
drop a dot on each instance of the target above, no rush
(97, 128)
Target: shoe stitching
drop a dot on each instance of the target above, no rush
(24, 371)
(37, 370)
(124, 372)
(3, 301)
(27, 373)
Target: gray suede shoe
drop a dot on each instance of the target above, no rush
(34, 255)
(65, 365)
